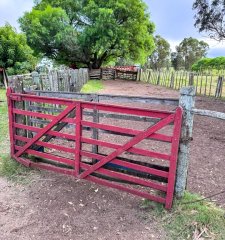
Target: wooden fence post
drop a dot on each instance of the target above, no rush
(191, 79)
(219, 87)
(187, 102)
(21, 119)
(172, 80)
(95, 130)
(158, 79)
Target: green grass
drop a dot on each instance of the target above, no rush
(4, 139)
(9, 168)
(92, 86)
(13, 170)
(187, 220)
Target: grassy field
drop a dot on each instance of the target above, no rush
(92, 86)
(4, 140)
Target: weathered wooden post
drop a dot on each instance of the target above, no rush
(158, 79)
(172, 80)
(191, 79)
(95, 130)
(187, 102)
(219, 87)
(16, 83)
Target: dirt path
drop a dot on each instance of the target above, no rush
(56, 207)
(207, 161)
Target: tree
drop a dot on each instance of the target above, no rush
(217, 63)
(210, 17)
(160, 56)
(189, 51)
(15, 55)
(177, 60)
(89, 32)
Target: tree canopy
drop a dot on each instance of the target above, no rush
(217, 63)
(89, 32)
(188, 52)
(15, 55)
(161, 55)
(210, 17)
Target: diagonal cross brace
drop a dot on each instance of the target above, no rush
(138, 138)
(46, 129)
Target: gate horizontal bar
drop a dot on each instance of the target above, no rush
(126, 189)
(127, 164)
(48, 156)
(129, 131)
(45, 144)
(41, 115)
(126, 110)
(126, 177)
(132, 149)
(53, 133)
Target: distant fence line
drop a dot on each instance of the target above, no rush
(68, 80)
(113, 73)
(205, 84)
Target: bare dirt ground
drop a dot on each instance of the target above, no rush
(207, 161)
(57, 207)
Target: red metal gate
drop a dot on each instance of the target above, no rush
(110, 169)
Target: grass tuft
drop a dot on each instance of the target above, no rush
(13, 170)
(92, 86)
(191, 219)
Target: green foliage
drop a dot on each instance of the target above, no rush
(15, 55)
(188, 52)
(160, 56)
(217, 63)
(90, 32)
(190, 216)
(92, 86)
(210, 18)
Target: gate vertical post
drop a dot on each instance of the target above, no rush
(187, 102)
(78, 131)
(95, 130)
(18, 88)
(11, 121)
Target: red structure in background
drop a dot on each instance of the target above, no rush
(124, 68)
(98, 171)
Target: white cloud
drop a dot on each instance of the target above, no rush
(11, 10)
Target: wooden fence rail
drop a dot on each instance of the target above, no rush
(70, 80)
(206, 84)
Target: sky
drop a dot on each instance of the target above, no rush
(174, 20)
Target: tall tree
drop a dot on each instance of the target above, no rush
(210, 17)
(189, 51)
(15, 55)
(177, 60)
(160, 56)
(90, 32)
